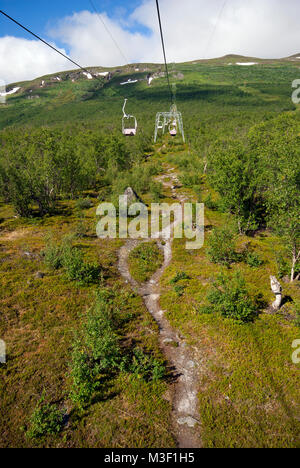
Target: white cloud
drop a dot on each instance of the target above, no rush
(193, 29)
(22, 59)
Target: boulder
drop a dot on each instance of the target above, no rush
(132, 196)
(40, 275)
(277, 290)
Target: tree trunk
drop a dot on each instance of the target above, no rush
(293, 271)
(295, 258)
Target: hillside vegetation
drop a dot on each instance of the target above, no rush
(84, 368)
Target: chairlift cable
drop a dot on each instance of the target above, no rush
(47, 44)
(108, 31)
(214, 28)
(164, 51)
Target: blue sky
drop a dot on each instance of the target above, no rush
(41, 15)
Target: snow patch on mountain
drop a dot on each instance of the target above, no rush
(246, 64)
(88, 75)
(12, 91)
(130, 81)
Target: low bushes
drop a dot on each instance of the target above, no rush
(229, 297)
(97, 352)
(221, 246)
(52, 254)
(83, 204)
(179, 288)
(253, 259)
(76, 268)
(64, 254)
(180, 275)
(297, 320)
(145, 366)
(46, 419)
(144, 260)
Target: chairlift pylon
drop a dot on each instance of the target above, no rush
(129, 123)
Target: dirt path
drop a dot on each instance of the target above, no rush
(183, 364)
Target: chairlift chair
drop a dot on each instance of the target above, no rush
(173, 128)
(129, 123)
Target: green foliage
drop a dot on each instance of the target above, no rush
(39, 166)
(209, 203)
(189, 179)
(221, 246)
(57, 255)
(297, 310)
(100, 336)
(180, 275)
(83, 376)
(52, 254)
(277, 145)
(80, 229)
(144, 260)
(179, 289)
(155, 190)
(253, 260)
(139, 177)
(233, 172)
(46, 419)
(77, 269)
(283, 265)
(231, 299)
(84, 204)
(146, 366)
(95, 352)
(206, 310)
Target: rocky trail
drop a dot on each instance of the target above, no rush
(181, 358)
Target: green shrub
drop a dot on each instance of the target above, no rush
(72, 262)
(100, 336)
(221, 248)
(283, 265)
(206, 310)
(179, 289)
(46, 419)
(80, 230)
(96, 352)
(77, 269)
(144, 261)
(146, 367)
(253, 260)
(209, 203)
(189, 179)
(155, 189)
(41, 165)
(83, 204)
(53, 255)
(180, 275)
(297, 319)
(83, 376)
(231, 299)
